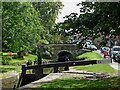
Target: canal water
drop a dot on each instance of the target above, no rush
(9, 82)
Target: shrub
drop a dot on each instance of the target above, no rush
(18, 57)
(47, 52)
(6, 60)
(29, 62)
(44, 41)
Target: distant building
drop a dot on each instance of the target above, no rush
(114, 41)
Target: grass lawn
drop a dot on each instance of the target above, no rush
(26, 58)
(95, 67)
(6, 53)
(89, 84)
(83, 84)
(6, 68)
(90, 56)
(14, 62)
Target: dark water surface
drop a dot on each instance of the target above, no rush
(11, 81)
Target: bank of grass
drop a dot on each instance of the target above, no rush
(18, 61)
(6, 68)
(25, 60)
(89, 84)
(95, 67)
(15, 64)
(90, 56)
(105, 68)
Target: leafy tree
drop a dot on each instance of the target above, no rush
(21, 27)
(48, 12)
(96, 19)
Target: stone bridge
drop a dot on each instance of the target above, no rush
(69, 50)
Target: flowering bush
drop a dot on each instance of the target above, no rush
(10, 53)
(26, 54)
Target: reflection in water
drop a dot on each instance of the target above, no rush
(51, 70)
(10, 84)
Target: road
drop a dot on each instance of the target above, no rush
(114, 65)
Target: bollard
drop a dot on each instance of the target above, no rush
(94, 75)
(55, 69)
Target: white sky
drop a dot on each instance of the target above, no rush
(69, 7)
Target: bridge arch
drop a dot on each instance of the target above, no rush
(68, 48)
(64, 56)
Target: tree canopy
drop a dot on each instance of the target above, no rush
(96, 19)
(25, 23)
(48, 12)
(21, 27)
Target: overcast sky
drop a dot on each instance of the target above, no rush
(69, 7)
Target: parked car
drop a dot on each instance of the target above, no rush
(116, 53)
(86, 45)
(91, 47)
(103, 49)
(116, 58)
(116, 49)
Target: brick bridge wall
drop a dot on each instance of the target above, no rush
(70, 48)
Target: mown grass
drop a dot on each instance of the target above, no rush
(6, 68)
(6, 53)
(90, 56)
(26, 58)
(83, 84)
(15, 64)
(89, 84)
(17, 60)
(97, 68)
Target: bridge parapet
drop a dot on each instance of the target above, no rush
(64, 46)
(68, 48)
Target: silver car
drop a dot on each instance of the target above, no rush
(116, 53)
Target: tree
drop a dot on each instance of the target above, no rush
(21, 27)
(96, 19)
(48, 12)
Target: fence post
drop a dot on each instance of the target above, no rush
(94, 75)
(66, 68)
(23, 71)
(39, 59)
(55, 69)
(22, 76)
(38, 73)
